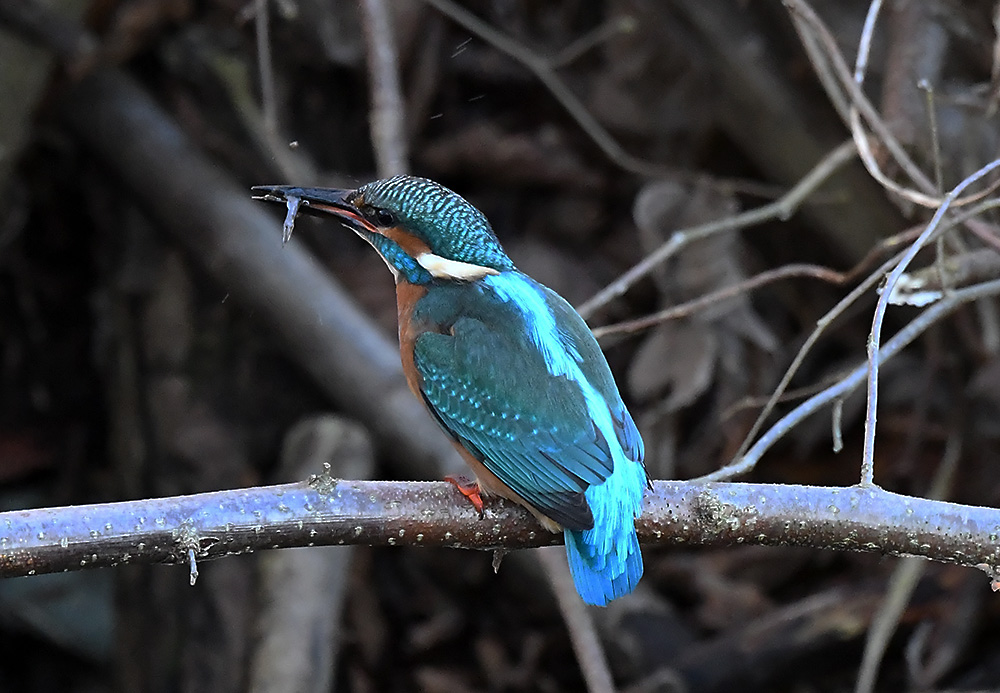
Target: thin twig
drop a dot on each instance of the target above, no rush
(544, 70)
(868, 455)
(932, 122)
(815, 34)
(269, 107)
(781, 209)
(853, 379)
(690, 307)
(806, 347)
(605, 31)
(387, 116)
(904, 579)
(966, 218)
(582, 632)
(805, 19)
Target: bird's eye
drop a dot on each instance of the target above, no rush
(384, 217)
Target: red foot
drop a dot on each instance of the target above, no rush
(469, 489)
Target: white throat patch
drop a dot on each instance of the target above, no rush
(443, 268)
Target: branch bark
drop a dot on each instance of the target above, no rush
(326, 511)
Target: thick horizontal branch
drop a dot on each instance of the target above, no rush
(326, 511)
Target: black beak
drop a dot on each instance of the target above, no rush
(316, 201)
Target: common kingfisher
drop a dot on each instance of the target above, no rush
(507, 368)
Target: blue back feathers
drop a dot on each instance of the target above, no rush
(605, 560)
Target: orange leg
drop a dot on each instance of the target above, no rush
(469, 489)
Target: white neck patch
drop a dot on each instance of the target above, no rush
(443, 268)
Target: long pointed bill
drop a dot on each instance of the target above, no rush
(312, 200)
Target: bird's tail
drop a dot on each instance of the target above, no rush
(605, 565)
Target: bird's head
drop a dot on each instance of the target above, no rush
(422, 230)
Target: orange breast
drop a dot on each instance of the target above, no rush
(407, 295)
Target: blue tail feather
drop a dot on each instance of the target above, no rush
(605, 561)
(599, 576)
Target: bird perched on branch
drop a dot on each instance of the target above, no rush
(507, 368)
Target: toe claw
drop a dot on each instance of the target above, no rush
(469, 489)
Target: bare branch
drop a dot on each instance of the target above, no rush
(899, 341)
(327, 511)
(781, 209)
(874, 356)
(387, 118)
(687, 308)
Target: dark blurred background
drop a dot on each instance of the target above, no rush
(137, 358)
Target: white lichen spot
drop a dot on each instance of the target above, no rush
(391, 541)
(420, 536)
(447, 536)
(358, 531)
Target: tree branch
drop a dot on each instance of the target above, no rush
(325, 511)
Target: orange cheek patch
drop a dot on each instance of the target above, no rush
(411, 245)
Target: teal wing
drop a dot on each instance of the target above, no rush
(534, 431)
